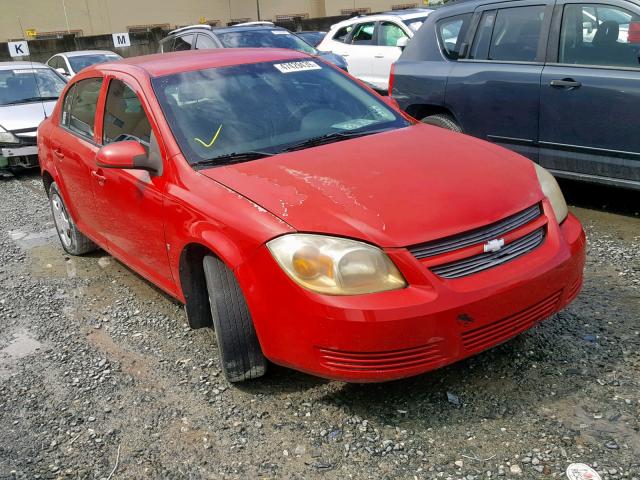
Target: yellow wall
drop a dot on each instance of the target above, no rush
(95, 17)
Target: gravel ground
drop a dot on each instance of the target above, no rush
(100, 377)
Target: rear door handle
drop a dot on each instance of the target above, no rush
(378, 56)
(100, 178)
(565, 83)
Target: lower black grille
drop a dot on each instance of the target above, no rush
(484, 261)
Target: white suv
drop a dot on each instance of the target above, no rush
(370, 44)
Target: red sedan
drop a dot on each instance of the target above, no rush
(305, 218)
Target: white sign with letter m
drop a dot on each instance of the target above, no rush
(121, 40)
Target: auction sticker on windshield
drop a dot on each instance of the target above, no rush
(291, 67)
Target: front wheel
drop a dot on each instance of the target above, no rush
(240, 353)
(73, 240)
(443, 120)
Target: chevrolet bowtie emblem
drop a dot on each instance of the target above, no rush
(494, 245)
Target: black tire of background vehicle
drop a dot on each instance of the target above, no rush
(240, 353)
(78, 243)
(443, 120)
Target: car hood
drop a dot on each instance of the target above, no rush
(393, 189)
(24, 116)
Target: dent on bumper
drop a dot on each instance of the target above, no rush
(432, 323)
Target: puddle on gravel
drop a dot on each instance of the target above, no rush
(29, 240)
(21, 346)
(132, 363)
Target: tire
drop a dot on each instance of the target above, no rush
(443, 120)
(73, 240)
(240, 353)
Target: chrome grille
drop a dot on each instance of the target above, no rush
(479, 235)
(484, 261)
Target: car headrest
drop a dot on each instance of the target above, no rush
(608, 33)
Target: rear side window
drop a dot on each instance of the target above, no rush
(79, 108)
(451, 33)
(183, 43)
(363, 34)
(516, 34)
(124, 117)
(599, 35)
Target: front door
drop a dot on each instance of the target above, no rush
(495, 88)
(386, 52)
(130, 202)
(74, 148)
(590, 97)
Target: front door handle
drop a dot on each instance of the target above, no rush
(58, 153)
(565, 83)
(100, 178)
(378, 56)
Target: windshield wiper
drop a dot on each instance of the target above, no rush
(330, 138)
(31, 99)
(230, 158)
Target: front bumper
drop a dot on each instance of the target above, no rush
(19, 156)
(432, 323)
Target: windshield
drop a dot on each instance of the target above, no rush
(29, 85)
(266, 107)
(84, 61)
(414, 23)
(265, 38)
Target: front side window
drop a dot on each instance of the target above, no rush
(265, 39)
(599, 35)
(80, 105)
(342, 34)
(205, 42)
(124, 116)
(363, 34)
(27, 85)
(266, 107)
(389, 34)
(183, 43)
(451, 32)
(516, 34)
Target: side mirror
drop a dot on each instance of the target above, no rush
(402, 42)
(389, 100)
(128, 155)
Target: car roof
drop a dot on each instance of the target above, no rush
(161, 64)
(395, 14)
(80, 53)
(14, 65)
(249, 27)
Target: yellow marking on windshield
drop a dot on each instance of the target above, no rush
(213, 140)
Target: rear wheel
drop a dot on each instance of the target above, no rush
(443, 120)
(73, 240)
(240, 353)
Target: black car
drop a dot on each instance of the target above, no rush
(248, 35)
(555, 80)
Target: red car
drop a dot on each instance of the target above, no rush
(304, 217)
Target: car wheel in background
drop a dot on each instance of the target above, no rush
(73, 240)
(443, 120)
(240, 353)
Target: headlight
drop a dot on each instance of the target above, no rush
(552, 191)
(7, 137)
(335, 266)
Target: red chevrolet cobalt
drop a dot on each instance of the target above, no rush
(307, 220)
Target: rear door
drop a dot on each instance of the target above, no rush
(386, 52)
(590, 98)
(494, 89)
(74, 146)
